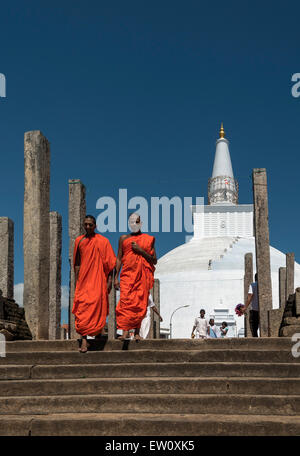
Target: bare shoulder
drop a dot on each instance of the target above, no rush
(123, 237)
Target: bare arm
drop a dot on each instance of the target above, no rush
(77, 265)
(154, 308)
(249, 299)
(109, 281)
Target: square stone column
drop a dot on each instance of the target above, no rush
(262, 247)
(282, 287)
(55, 276)
(77, 213)
(290, 273)
(36, 233)
(112, 327)
(248, 279)
(297, 302)
(276, 315)
(7, 257)
(154, 332)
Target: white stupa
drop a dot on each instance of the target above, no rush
(208, 271)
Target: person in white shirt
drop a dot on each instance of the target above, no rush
(200, 325)
(254, 309)
(146, 322)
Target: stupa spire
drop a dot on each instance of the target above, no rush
(222, 187)
(222, 132)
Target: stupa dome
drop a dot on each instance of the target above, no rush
(208, 271)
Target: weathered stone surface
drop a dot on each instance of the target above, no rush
(290, 274)
(297, 302)
(276, 315)
(291, 321)
(158, 425)
(8, 325)
(275, 320)
(55, 275)
(12, 319)
(282, 287)
(245, 344)
(7, 334)
(145, 403)
(36, 233)
(77, 212)
(154, 332)
(63, 333)
(112, 314)
(161, 383)
(7, 257)
(289, 310)
(289, 331)
(262, 247)
(248, 279)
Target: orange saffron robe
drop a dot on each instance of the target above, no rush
(97, 260)
(136, 281)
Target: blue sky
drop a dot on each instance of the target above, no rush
(131, 95)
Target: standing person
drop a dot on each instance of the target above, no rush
(200, 325)
(212, 329)
(94, 261)
(137, 257)
(146, 323)
(224, 329)
(254, 311)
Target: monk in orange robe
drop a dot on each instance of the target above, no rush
(137, 257)
(94, 262)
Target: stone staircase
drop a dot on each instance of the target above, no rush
(153, 387)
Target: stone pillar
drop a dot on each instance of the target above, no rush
(290, 271)
(55, 276)
(276, 315)
(262, 247)
(297, 302)
(282, 288)
(7, 257)
(248, 279)
(36, 233)
(77, 213)
(154, 332)
(112, 314)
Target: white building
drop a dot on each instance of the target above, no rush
(208, 271)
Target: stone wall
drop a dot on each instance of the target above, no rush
(12, 320)
(291, 316)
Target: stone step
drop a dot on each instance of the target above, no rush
(149, 356)
(268, 343)
(236, 404)
(124, 370)
(97, 424)
(154, 385)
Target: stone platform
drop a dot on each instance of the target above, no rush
(151, 387)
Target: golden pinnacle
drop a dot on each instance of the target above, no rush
(222, 131)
